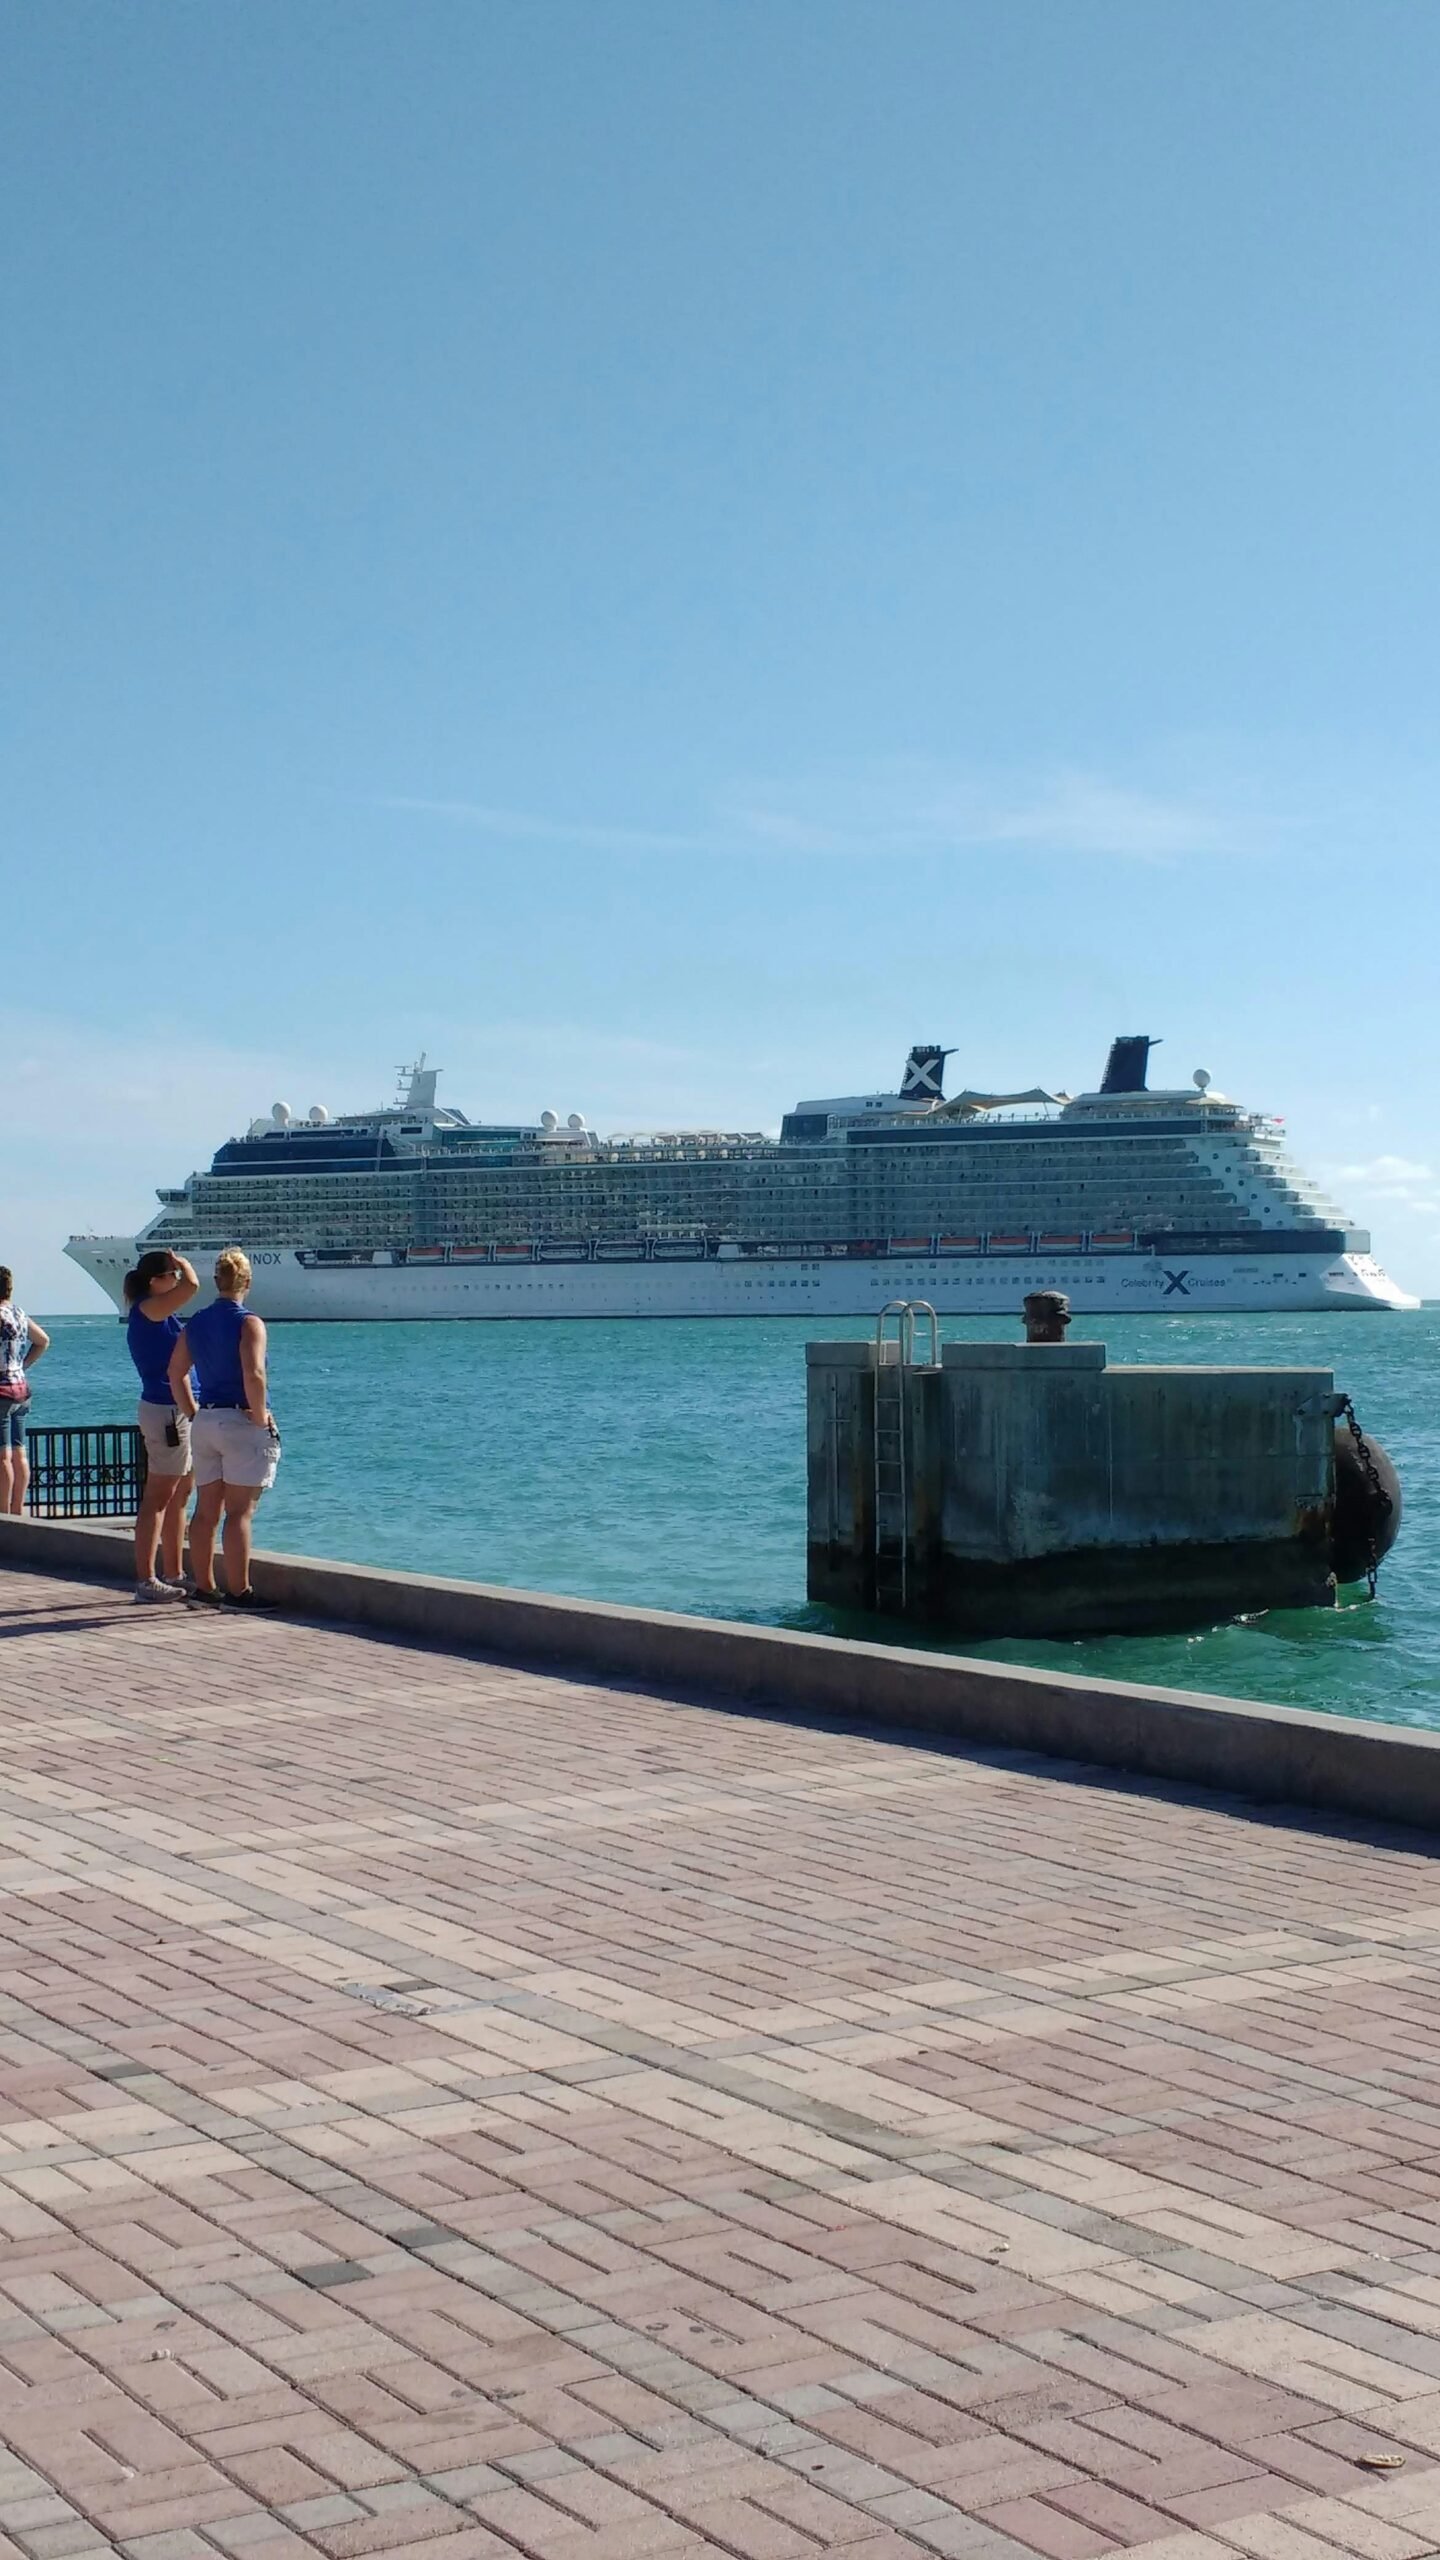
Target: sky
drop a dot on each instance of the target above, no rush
(658, 553)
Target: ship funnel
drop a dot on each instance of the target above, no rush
(924, 1077)
(1128, 1063)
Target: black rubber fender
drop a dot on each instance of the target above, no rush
(1360, 1510)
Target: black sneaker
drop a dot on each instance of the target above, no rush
(247, 1600)
(205, 1596)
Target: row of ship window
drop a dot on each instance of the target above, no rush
(705, 1174)
(976, 1198)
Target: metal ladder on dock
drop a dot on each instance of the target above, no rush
(894, 1354)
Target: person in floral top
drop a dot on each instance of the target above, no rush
(22, 1343)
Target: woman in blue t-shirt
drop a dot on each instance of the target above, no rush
(159, 1285)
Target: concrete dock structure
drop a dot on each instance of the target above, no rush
(1004, 1488)
(456, 2105)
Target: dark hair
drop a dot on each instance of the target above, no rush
(7, 1283)
(151, 1267)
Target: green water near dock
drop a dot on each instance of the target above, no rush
(664, 1465)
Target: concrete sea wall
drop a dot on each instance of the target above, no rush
(1020, 1488)
(1268, 1754)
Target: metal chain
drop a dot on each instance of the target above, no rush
(1383, 1504)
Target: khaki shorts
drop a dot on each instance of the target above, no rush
(231, 1449)
(160, 1458)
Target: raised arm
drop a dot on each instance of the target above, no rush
(186, 1283)
(180, 1287)
(252, 1370)
(179, 1375)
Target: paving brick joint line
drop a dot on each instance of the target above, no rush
(448, 2106)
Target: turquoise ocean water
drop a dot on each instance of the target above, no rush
(664, 1464)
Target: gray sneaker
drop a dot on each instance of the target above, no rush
(157, 1591)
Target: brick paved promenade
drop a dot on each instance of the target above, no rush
(455, 2107)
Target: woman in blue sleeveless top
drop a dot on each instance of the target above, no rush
(160, 1284)
(236, 1444)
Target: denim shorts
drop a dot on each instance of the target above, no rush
(14, 1411)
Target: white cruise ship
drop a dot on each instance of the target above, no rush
(1124, 1198)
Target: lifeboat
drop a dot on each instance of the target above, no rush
(959, 1244)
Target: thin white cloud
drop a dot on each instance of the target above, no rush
(1387, 1173)
(1392, 1186)
(105, 1088)
(893, 810)
(1081, 813)
(522, 826)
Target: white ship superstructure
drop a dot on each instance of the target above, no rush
(1125, 1198)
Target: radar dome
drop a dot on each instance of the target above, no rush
(319, 1116)
(576, 1120)
(549, 1120)
(1201, 1078)
(280, 1114)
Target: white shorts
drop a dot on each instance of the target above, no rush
(160, 1459)
(228, 1448)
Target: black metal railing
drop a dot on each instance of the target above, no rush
(85, 1471)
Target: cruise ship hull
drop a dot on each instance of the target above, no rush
(294, 1288)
